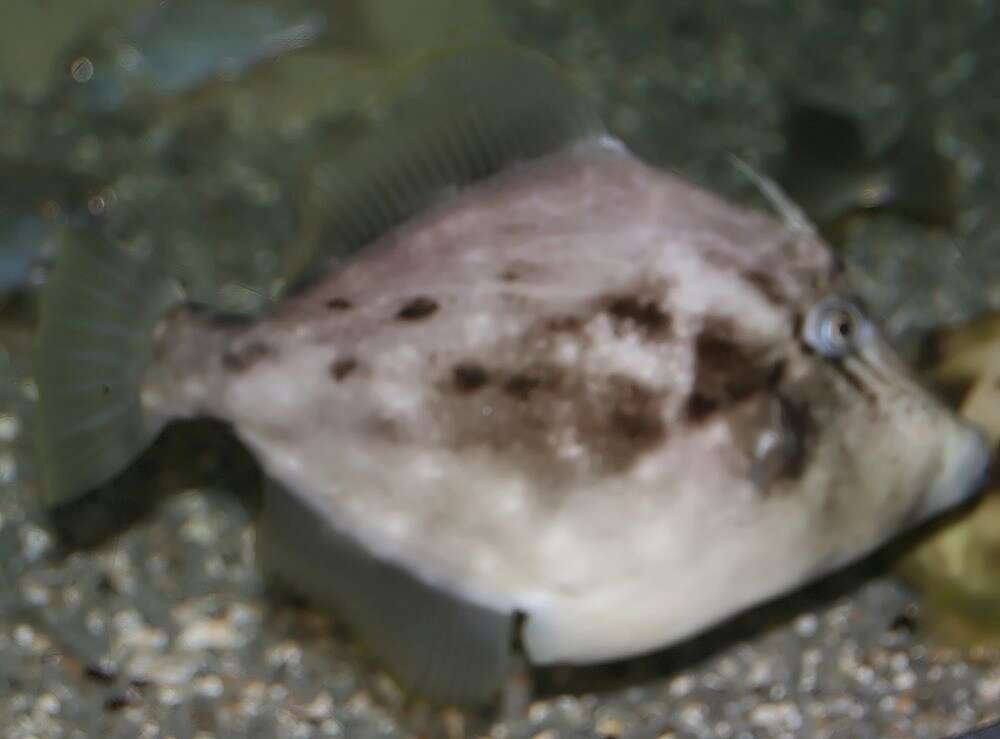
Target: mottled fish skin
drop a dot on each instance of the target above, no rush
(554, 395)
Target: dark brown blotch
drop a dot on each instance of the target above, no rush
(727, 370)
(563, 324)
(766, 285)
(634, 414)
(339, 304)
(242, 358)
(469, 377)
(521, 385)
(342, 368)
(417, 309)
(616, 419)
(643, 313)
(510, 275)
(699, 407)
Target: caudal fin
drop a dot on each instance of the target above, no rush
(99, 308)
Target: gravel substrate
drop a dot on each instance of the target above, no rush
(166, 630)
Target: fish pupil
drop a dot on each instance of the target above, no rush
(831, 328)
(842, 326)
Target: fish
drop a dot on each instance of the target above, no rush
(830, 171)
(170, 48)
(529, 397)
(166, 51)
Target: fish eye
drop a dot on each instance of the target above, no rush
(832, 328)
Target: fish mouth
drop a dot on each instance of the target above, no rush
(965, 454)
(965, 465)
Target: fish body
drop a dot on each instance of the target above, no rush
(581, 403)
(172, 48)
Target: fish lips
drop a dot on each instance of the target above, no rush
(963, 473)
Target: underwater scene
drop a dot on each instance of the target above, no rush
(526, 369)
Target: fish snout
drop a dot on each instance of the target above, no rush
(965, 463)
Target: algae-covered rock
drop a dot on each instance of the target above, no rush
(958, 567)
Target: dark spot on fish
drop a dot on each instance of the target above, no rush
(341, 368)
(632, 415)
(386, 429)
(339, 304)
(699, 407)
(521, 385)
(244, 357)
(644, 313)
(106, 389)
(535, 411)
(518, 269)
(563, 324)
(726, 370)
(767, 285)
(469, 377)
(417, 308)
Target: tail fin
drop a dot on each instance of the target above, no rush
(98, 311)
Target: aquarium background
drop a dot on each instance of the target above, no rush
(195, 128)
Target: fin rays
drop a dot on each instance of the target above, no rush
(98, 311)
(467, 115)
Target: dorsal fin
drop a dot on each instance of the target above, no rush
(464, 116)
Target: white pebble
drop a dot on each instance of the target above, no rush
(806, 625)
(35, 542)
(779, 716)
(210, 634)
(988, 688)
(10, 427)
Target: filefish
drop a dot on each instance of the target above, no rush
(174, 47)
(528, 393)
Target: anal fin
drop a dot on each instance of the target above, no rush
(437, 644)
